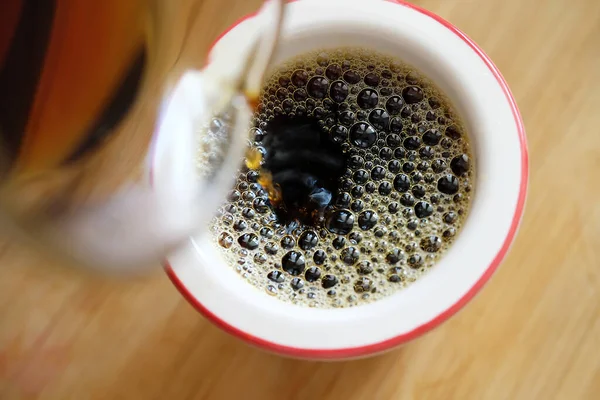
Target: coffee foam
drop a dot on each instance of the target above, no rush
(370, 263)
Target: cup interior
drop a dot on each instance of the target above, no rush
(481, 98)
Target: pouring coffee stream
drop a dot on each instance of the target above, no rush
(145, 218)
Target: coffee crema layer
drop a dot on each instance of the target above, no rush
(374, 172)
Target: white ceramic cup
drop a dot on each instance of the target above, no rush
(483, 100)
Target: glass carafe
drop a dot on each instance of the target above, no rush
(87, 89)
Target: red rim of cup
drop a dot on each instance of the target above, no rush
(370, 349)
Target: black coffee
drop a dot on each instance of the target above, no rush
(365, 180)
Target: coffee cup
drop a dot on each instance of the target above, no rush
(485, 104)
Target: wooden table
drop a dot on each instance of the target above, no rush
(533, 333)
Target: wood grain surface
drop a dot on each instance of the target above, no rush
(533, 332)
